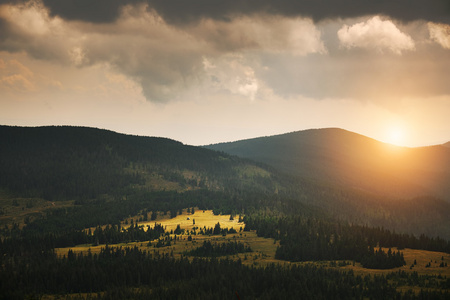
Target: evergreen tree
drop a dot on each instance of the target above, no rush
(217, 229)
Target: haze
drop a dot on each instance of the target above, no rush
(202, 73)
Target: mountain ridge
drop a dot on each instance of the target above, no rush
(351, 159)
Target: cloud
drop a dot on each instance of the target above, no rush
(248, 55)
(375, 34)
(264, 33)
(139, 44)
(28, 27)
(78, 56)
(15, 77)
(440, 33)
(230, 73)
(187, 11)
(270, 66)
(98, 11)
(144, 47)
(26, 80)
(359, 75)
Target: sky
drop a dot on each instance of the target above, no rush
(204, 71)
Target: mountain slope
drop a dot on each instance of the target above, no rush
(77, 162)
(112, 176)
(352, 160)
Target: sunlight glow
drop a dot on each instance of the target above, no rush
(396, 136)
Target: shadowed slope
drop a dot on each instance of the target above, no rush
(79, 163)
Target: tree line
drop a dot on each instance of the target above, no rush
(45, 243)
(208, 249)
(306, 239)
(116, 272)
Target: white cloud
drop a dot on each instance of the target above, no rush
(440, 33)
(375, 33)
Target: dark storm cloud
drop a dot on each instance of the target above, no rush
(97, 11)
(183, 11)
(405, 10)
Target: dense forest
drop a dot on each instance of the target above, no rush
(209, 249)
(335, 236)
(104, 179)
(306, 239)
(118, 270)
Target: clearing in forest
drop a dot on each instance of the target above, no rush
(421, 261)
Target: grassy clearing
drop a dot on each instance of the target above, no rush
(263, 248)
(203, 218)
(421, 257)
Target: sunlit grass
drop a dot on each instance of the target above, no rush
(263, 248)
(422, 258)
(203, 218)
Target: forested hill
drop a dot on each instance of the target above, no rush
(352, 160)
(78, 162)
(92, 166)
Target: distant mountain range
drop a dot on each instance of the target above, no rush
(323, 172)
(352, 160)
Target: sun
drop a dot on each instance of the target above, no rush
(396, 136)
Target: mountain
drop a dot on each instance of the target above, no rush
(348, 159)
(61, 162)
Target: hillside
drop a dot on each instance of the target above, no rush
(352, 160)
(59, 179)
(60, 163)
(81, 177)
